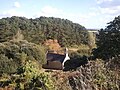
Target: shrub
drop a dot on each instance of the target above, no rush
(15, 54)
(7, 65)
(33, 78)
(76, 60)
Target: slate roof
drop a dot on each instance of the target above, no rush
(55, 57)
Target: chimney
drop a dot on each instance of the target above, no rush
(66, 56)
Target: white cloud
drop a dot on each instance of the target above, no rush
(104, 15)
(105, 11)
(108, 3)
(81, 18)
(11, 12)
(16, 4)
(50, 10)
(91, 14)
(110, 11)
(102, 1)
(108, 7)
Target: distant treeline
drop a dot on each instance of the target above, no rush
(40, 29)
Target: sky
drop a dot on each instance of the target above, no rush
(92, 14)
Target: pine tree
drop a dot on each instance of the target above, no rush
(108, 40)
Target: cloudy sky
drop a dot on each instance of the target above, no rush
(89, 13)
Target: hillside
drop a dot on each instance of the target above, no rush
(23, 52)
(40, 29)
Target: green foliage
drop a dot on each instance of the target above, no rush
(76, 60)
(15, 54)
(31, 70)
(33, 78)
(85, 52)
(40, 29)
(108, 40)
(92, 39)
(42, 82)
(103, 77)
(29, 77)
(7, 65)
(94, 75)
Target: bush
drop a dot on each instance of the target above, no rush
(7, 65)
(76, 60)
(33, 78)
(15, 54)
(42, 82)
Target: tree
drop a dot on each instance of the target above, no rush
(40, 29)
(108, 41)
(14, 54)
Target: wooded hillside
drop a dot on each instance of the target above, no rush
(40, 29)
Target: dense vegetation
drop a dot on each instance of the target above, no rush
(108, 41)
(15, 54)
(22, 54)
(40, 29)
